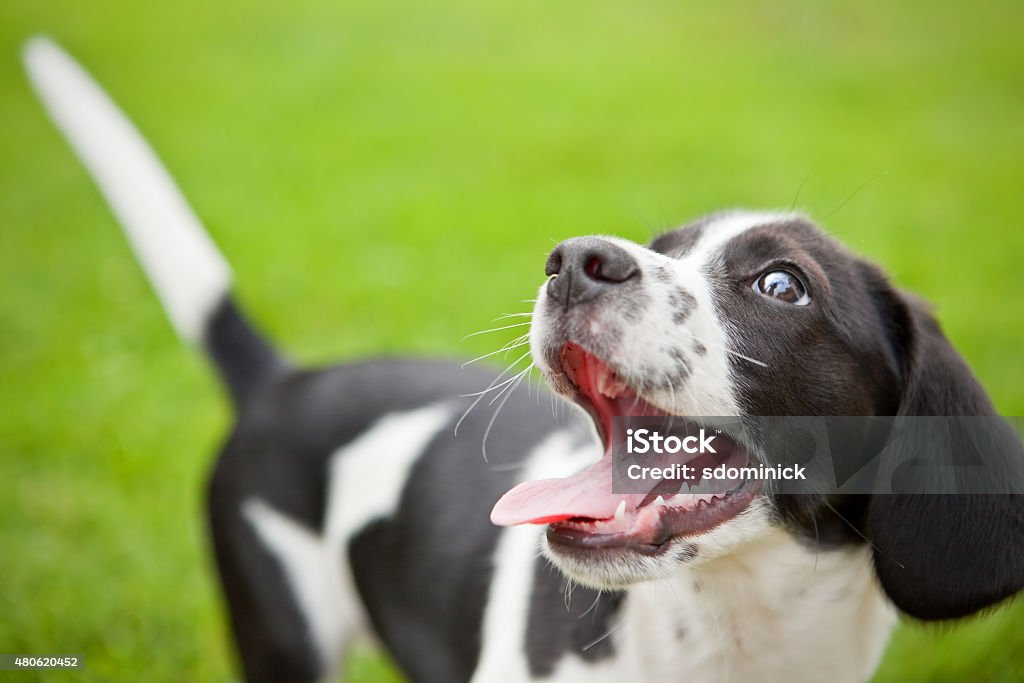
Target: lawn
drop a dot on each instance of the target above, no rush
(386, 176)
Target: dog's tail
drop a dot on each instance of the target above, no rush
(187, 271)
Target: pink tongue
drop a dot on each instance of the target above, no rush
(587, 494)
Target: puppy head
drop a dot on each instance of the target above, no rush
(749, 314)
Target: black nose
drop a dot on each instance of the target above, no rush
(583, 267)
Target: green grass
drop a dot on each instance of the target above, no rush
(386, 176)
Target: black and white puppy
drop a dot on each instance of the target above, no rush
(344, 503)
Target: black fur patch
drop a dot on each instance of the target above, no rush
(561, 622)
(683, 304)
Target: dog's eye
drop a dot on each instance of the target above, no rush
(784, 286)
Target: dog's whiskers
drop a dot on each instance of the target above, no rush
(792, 207)
(672, 590)
(710, 607)
(490, 387)
(508, 392)
(675, 408)
(516, 379)
(508, 467)
(854, 194)
(727, 350)
(505, 316)
(602, 637)
(495, 329)
(514, 344)
(593, 605)
(817, 539)
(859, 533)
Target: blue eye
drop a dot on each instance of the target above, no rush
(784, 286)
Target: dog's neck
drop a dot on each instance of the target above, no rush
(753, 614)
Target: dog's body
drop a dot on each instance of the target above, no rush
(336, 515)
(345, 503)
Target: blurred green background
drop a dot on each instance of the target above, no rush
(386, 176)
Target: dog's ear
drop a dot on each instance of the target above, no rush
(943, 556)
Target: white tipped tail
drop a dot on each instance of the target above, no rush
(187, 271)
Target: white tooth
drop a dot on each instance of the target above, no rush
(620, 512)
(604, 385)
(659, 501)
(609, 385)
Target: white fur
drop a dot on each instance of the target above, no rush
(753, 616)
(305, 559)
(187, 271)
(725, 227)
(367, 476)
(746, 614)
(369, 473)
(504, 628)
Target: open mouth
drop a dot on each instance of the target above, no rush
(582, 512)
